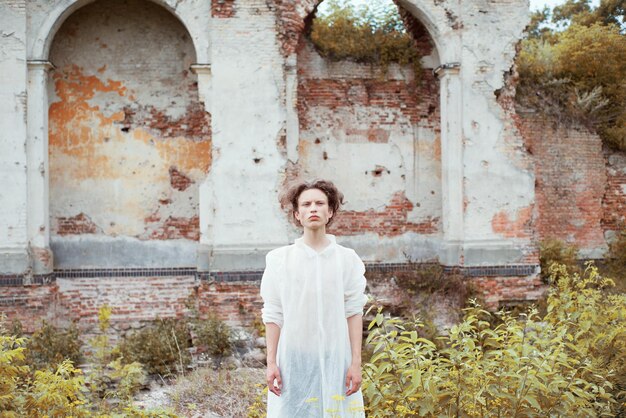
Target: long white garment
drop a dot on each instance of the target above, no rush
(310, 295)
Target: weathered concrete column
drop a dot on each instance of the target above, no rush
(205, 86)
(14, 257)
(291, 107)
(451, 163)
(37, 166)
(241, 219)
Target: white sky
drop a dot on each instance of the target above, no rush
(534, 4)
(539, 4)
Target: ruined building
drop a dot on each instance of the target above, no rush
(143, 145)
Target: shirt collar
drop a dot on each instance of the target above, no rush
(311, 252)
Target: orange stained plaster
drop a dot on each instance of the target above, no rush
(81, 131)
(517, 227)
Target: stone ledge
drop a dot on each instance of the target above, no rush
(519, 270)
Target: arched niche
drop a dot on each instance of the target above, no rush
(127, 139)
(414, 135)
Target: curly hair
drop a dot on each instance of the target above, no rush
(289, 197)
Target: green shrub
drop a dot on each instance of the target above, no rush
(556, 251)
(50, 345)
(567, 363)
(373, 34)
(215, 335)
(161, 347)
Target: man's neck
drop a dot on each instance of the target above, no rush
(316, 238)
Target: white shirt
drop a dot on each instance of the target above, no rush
(309, 295)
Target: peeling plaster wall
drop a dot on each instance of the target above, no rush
(375, 132)
(129, 140)
(13, 194)
(243, 220)
(498, 178)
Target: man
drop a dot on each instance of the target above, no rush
(313, 293)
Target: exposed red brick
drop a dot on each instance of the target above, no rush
(418, 103)
(614, 199)
(178, 180)
(513, 226)
(571, 178)
(75, 225)
(233, 302)
(222, 8)
(509, 290)
(390, 221)
(291, 16)
(172, 228)
(423, 41)
(29, 304)
(194, 124)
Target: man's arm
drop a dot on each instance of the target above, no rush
(355, 331)
(272, 335)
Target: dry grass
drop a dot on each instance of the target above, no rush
(225, 393)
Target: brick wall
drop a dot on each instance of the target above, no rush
(571, 183)
(614, 199)
(137, 298)
(222, 8)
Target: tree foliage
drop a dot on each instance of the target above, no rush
(373, 33)
(577, 74)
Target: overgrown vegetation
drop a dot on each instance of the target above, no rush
(372, 33)
(161, 347)
(574, 71)
(51, 345)
(215, 335)
(556, 251)
(567, 363)
(62, 390)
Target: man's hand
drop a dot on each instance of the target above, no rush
(273, 374)
(353, 379)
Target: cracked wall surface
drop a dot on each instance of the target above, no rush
(13, 167)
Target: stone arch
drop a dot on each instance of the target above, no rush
(426, 215)
(39, 47)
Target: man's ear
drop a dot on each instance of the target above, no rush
(296, 215)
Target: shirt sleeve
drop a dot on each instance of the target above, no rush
(272, 311)
(354, 291)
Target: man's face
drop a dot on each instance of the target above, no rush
(313, 211)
